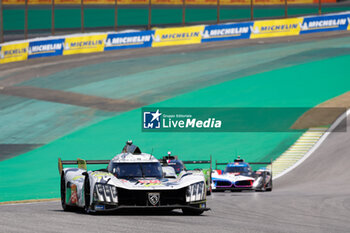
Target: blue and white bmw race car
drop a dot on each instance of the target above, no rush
(239, 176)
(132, 179)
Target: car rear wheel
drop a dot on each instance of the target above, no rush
(209, 191)
(269, 189)
(65, 207)
(87, 194)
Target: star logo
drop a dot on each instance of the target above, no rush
(152, 120)
(156, 115)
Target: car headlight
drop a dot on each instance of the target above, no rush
(195, 192)
(100, 188)
(106, 193)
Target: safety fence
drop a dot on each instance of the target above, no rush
(165, 2)
(23, 19)
(99, 42)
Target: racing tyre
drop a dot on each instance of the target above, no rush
(65, 207)
(192, 212)
(269, 189)
(209, 191)
(87, 194)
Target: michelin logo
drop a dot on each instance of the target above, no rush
(83, 44)
(225, 32)
(128, 40)
(273, 28)
(255, 30)
(44, 48)
(176, 36)
(151, 120)
(156, 38)
(317, 24)
(13, 53)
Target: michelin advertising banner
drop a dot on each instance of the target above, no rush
(276, 28)
(177, 36)
(129, 40)
(232, 31)
(84, 44)
(45, 48)
(14, 52)
(89, 43)
(325, 23)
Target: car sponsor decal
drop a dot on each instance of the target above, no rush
(74, 195)
(78, 178)
(102, 177)
(147, 183)
(99, 207)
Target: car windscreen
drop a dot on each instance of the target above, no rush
(178, 166)
(137, 170)
(236, 170)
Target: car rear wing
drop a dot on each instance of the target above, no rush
(82, 164)
(198, 161)
(254, 163)
(164, 162)
(209, 180)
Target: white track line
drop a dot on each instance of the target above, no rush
(30, 202)
(317, 145)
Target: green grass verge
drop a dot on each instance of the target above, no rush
(34, 174)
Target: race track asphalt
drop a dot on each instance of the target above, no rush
(314, 197)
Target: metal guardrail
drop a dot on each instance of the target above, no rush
(251, 163)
